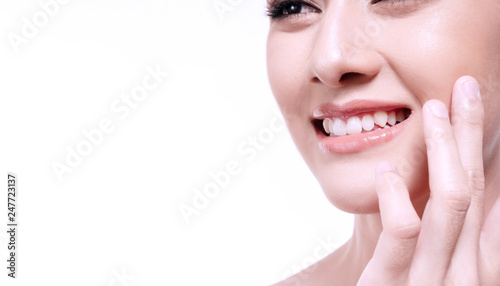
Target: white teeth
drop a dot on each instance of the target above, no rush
(326, 125)
(391, 118)
(380, 118)
(400, 117)
(354, 125)
(338, 127)
(368, 123)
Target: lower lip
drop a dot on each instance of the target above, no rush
(359, 142)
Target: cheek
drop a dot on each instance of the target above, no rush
(287, 60)
(429, 55)
(427, 64)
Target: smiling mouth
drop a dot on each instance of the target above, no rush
(361, 123)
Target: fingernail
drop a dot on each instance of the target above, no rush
(471, 89)
(385, 166)
(439, 110)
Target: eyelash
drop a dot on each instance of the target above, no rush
(276, 8)
(392, 1)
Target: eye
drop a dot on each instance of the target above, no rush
(286, 8)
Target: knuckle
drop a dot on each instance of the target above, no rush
(395, 181)
(473, 117)
(475, 177)
(457, 199)
(439, 136)
(406, 230)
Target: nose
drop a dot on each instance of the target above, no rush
(343, 52)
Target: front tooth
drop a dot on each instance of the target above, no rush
(354, 125)
(368, 123)
(391, 118)
(400, 117)
(380, 118)
(326, 125)
(338, 127)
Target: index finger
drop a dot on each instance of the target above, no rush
(467, 116)
(449, 197)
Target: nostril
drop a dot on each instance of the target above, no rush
(350, 76)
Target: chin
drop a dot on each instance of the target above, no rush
(356, 198)
(349, 184)
(355, 192)
(348, 179)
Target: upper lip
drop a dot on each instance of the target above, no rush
(328, 110)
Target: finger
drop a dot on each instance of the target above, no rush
(467, 116)
(468, 119)
(490, 246)
(401, 226)
(449, 199)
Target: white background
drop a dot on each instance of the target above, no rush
(117, 212)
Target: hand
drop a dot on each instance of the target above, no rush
(450, 245)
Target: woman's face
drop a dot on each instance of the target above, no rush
(345, 67)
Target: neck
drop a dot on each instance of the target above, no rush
(367, 229)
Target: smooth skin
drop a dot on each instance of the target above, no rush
(431, 221)
(454, 243)
(450, 245)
